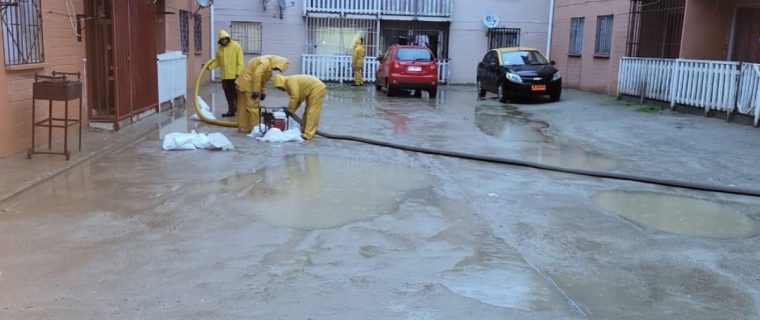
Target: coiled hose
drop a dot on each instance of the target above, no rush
(497, 160)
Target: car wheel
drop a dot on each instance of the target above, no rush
(433, 93)
(378, 87)
(481, 90)
(389, 91)
(502, 95)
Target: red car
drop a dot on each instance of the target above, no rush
(405, 67)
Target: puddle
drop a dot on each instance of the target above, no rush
(570, 156)
(679, 215)
(509, 124)
(313, 191)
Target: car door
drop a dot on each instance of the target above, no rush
(382, 68)
(491, 70)
(481, 73)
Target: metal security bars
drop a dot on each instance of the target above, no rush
(576, 36)
(603, 36)
(198, 33)
(655, 28)
(336, 36)
(22, 33)
(503, 37)
(184, 31)
(248, 34)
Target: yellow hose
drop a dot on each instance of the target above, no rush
(200, 114)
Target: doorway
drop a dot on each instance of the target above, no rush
(747, 36)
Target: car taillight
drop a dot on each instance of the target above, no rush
(433, 66)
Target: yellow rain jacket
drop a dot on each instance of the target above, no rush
(228, 58)
(359, 54)
(257, 73)
(302, 88)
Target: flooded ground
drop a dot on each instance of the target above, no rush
(338, 230)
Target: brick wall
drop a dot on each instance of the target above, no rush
(62, 53)
(588, 72)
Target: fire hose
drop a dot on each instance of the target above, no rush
(506, 161)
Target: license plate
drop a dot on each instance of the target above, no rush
(539, 87)
(415, 68)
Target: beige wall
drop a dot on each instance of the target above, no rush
(284, 37)
(62, 53)
(469, 41)
(588, 72)
(172, 36)
(707, 29)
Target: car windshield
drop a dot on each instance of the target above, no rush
(414, 54)
(519, 58)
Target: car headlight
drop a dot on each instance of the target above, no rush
(514, 77)
(557, 76)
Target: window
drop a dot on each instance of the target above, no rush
(412, 54)
(336, 35)
(520, 58)
(22, 33)
(503, 37)
(198, 34)
(248, 34)
(576, 36)
(603, 36)
(184, 31)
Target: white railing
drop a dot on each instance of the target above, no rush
(342, 6)
(338, 68)
(172, 76)
(424, 8)
(749, 90)
(712, 85)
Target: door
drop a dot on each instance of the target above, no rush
(121, 58)
(747, 35)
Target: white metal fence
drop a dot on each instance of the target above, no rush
(338, 68)
(172, 76)
(712, 85)
(425, 8)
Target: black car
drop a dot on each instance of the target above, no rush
(518, 72)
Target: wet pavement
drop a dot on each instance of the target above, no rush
(339, 230)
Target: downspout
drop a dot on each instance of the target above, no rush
(551, 27)
(212, 44)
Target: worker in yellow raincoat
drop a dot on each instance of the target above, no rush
(302, 88)
(229, 58)
(251, 86)
(357, 61)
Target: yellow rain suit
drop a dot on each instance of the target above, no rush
(357, 62)
(228, 58)
(251, 86)
(302, 88)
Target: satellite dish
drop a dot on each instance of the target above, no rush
(205, 3)
(491, 20)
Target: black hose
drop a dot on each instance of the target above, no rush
(541, 166)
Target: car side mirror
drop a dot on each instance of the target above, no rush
(552, 62)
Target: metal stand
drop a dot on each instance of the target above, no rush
(56, 88)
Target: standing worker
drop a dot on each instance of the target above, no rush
(229, 58)
(251, 86)
(302, 88)
(358, 61)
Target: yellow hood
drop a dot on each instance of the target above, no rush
(223, 34)
(279, 63)
(278, 81)
(358, 41)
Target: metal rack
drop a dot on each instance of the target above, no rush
(57, 87)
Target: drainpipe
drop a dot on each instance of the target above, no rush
(212, 44)
(551, 26)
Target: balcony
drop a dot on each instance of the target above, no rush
(402, 8)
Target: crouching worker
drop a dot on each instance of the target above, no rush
(251, 87)
(302, 88)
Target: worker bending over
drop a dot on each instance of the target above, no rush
(302, 88)
(251, 86)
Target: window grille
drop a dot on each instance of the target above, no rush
(184, 31)
(603, 36)
(198, 33)
(248, 34)
(576, 36)
(22, 33)
(503, 37)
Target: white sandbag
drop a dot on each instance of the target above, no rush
(220, 141)
(205, 110)
(277, 135)
(194, 140)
